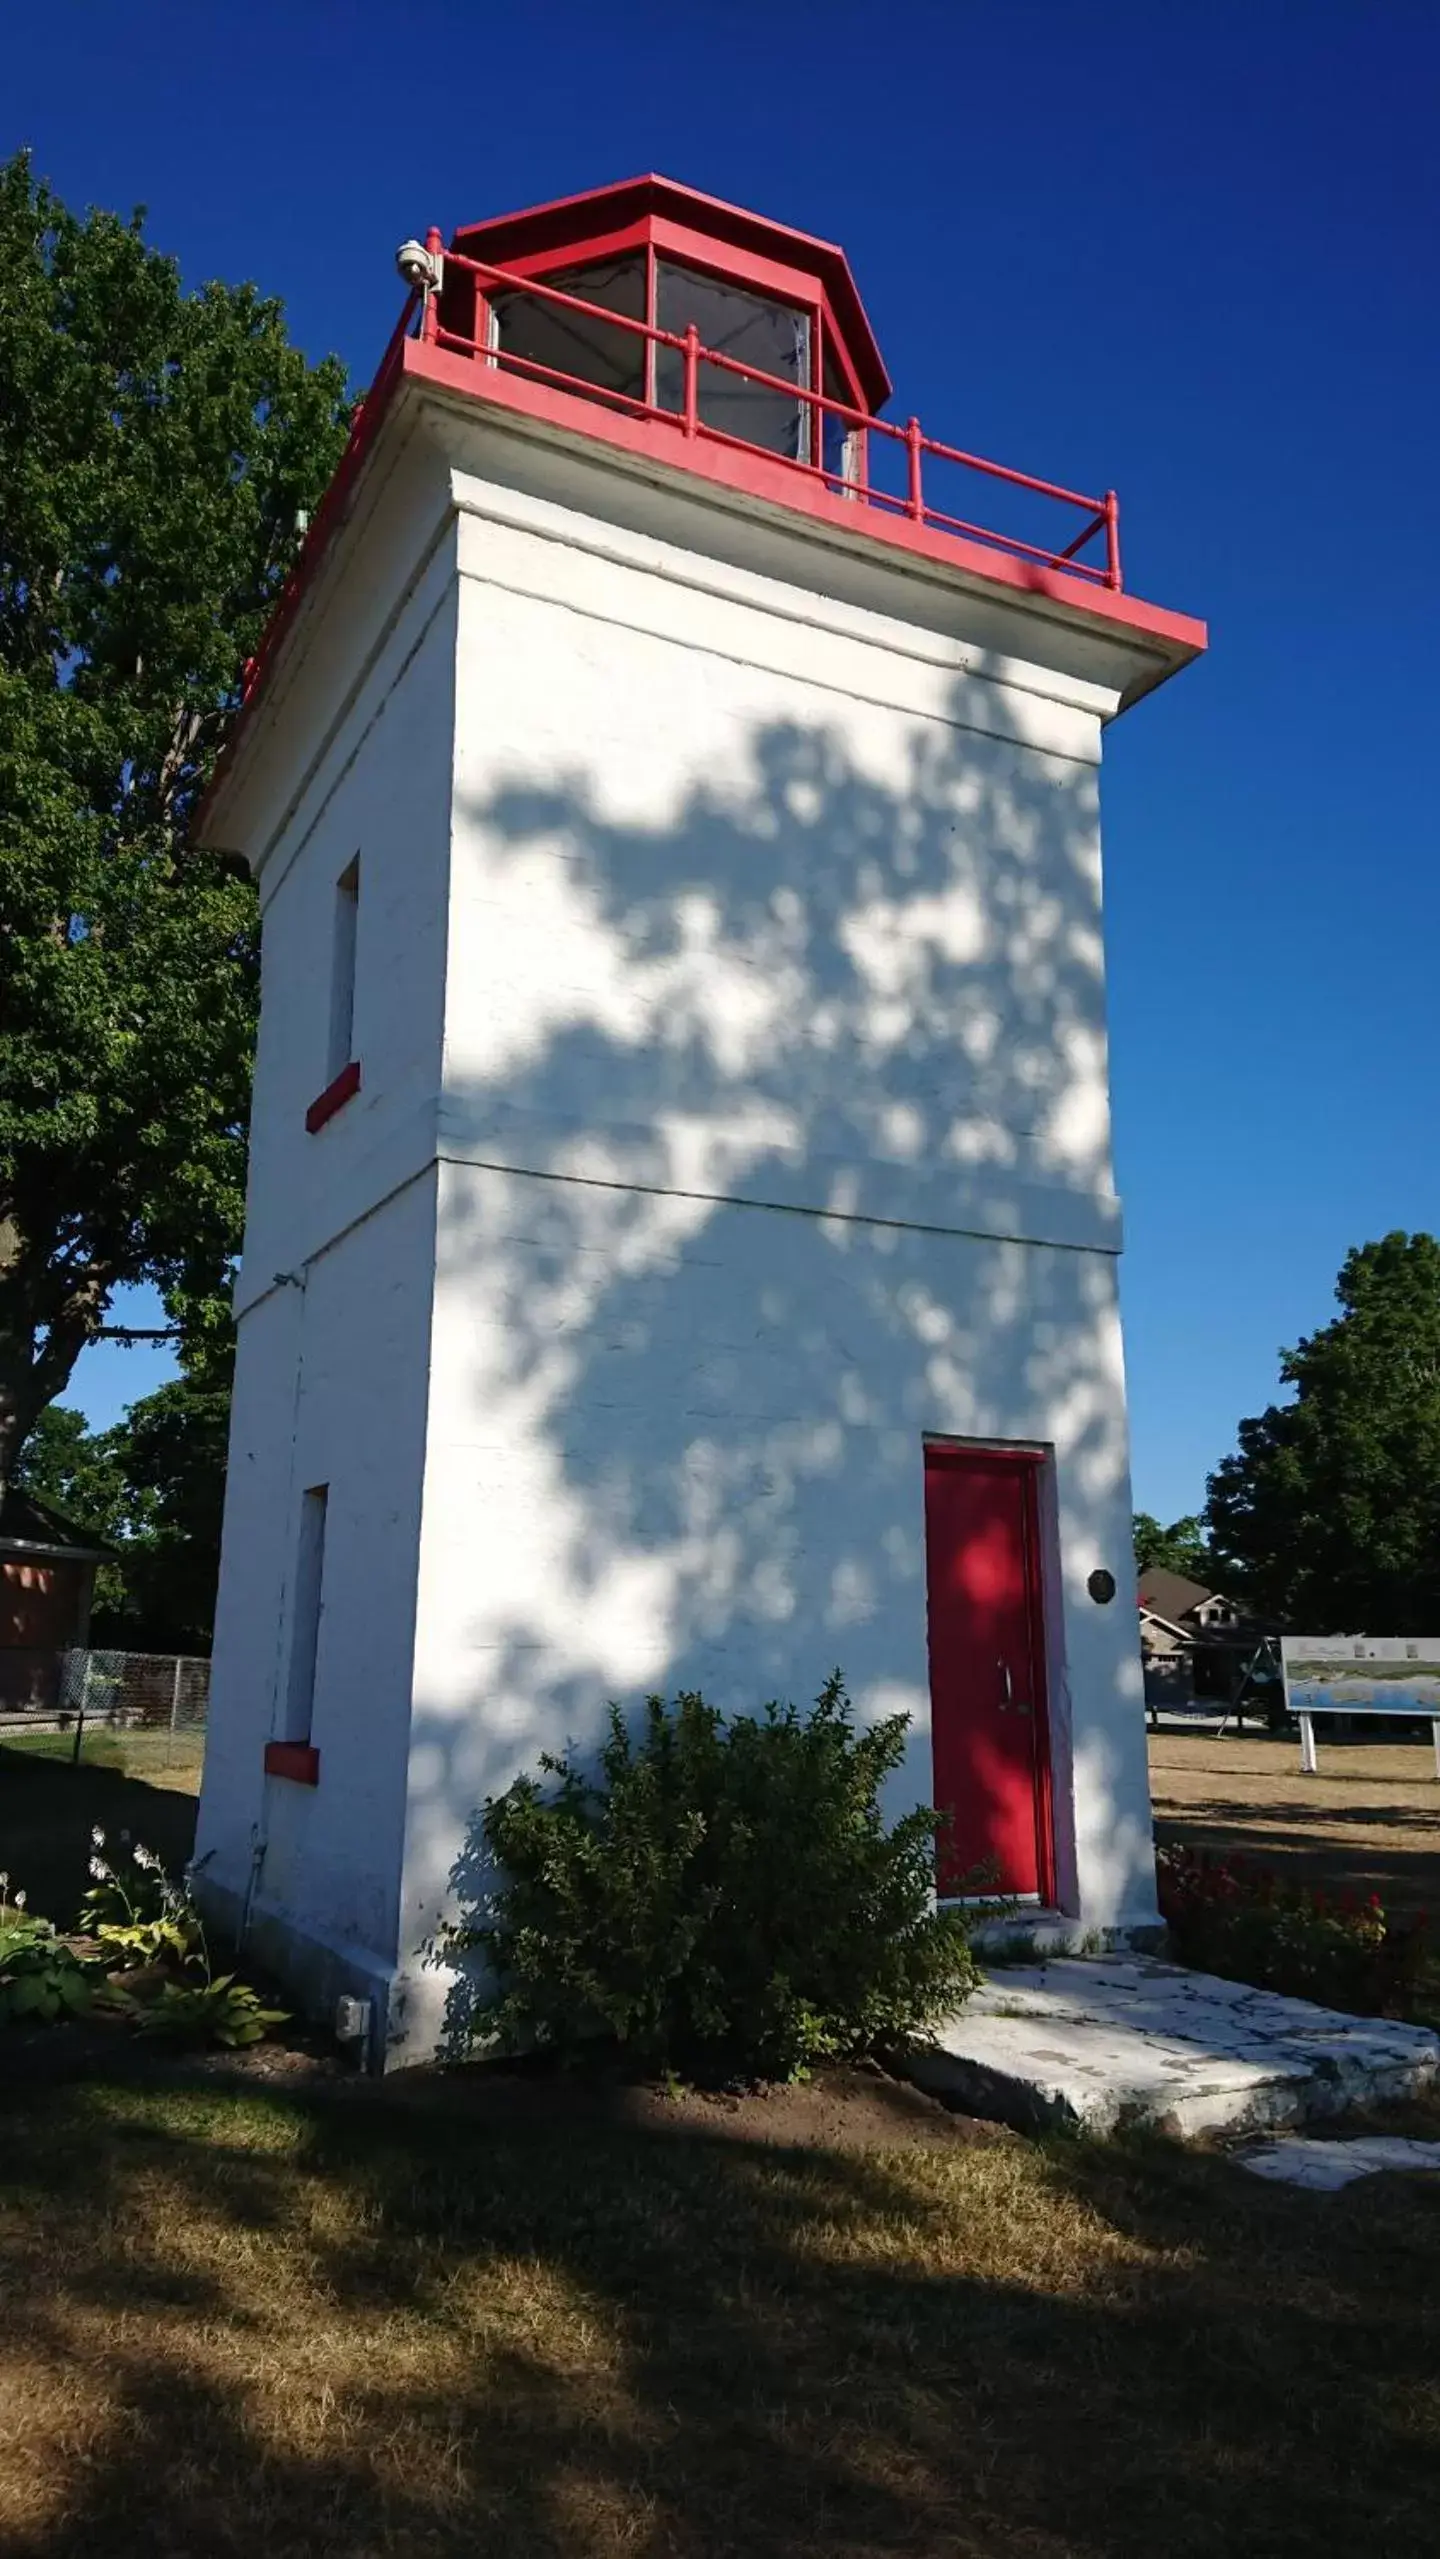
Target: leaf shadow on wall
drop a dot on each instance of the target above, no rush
(682, 1428)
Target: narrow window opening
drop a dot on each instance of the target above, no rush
(306, 1613)
(342, 968)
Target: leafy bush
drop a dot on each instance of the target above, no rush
(724, 1902)
(207, 2009)
(135, 1912)
(1248, 1925)
(133, 1919)
(142, 1920)
(41, 1978)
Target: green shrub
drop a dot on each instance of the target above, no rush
(136, 1920)
(725, 1902)
(134, 1911)
(145, 1923)
(203, 2009)
(41, 1978)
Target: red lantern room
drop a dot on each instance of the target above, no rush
(768, 306)
(695, 335)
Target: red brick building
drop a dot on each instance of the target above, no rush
(47, 1578)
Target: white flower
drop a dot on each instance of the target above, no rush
(99, 1869)
(97, 1839)
(145, 1857)
(20, 1901)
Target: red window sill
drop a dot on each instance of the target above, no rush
(296, 1760)
(334, 1097)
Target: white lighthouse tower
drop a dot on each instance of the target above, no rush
(681, 1247)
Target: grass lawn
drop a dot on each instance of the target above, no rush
(163, 1757)
(1369, 1822)
(380, 2324)
(459, 2315)
(48, 1806)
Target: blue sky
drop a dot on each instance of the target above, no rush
(1187, 251)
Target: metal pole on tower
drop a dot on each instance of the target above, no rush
(435, 251)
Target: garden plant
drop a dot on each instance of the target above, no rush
(721, 1900)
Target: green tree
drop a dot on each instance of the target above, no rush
(170, 1453)
(1328, 1515)
(1180, 1548)
(75, 1469)
(157, 452)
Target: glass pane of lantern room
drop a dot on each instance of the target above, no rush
(773, 336)
(574, 346)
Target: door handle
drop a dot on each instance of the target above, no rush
(1008, 1699)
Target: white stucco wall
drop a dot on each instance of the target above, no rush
(333, 1303)
(331, 1388)
(776, 1135)
(731, 1015)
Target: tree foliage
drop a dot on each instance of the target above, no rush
(1180, 1548)
(157, 449)
(1328, 1515)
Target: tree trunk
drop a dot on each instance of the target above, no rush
(49, 1310)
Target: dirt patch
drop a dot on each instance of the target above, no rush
(838, 2109)
(1368, 1823)
(861, 2107)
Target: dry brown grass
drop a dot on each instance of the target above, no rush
(401, 2324)
(350, 2325)
(1369, 1822)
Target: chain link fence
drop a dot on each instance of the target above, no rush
(143, 1713)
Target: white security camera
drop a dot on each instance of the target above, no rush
(416, 265)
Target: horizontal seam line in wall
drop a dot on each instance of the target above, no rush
(342, 714)
(492, 513)
(818, 683)
(307, 1261)
(774, 1208)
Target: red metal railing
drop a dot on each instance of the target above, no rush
(855, 479)
(866, 437)
(332, 505)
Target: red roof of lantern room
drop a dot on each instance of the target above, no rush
(699, 230)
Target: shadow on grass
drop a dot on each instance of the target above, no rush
(391, 2329)
(47, 1811)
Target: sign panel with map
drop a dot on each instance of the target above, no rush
(1362, 1674)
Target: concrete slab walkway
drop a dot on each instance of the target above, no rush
(1325, 2166)
(1092, 2046)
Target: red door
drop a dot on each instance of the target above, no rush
(987, 1669)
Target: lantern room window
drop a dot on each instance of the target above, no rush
(553, 342)
(749, 328)
(577, 345)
